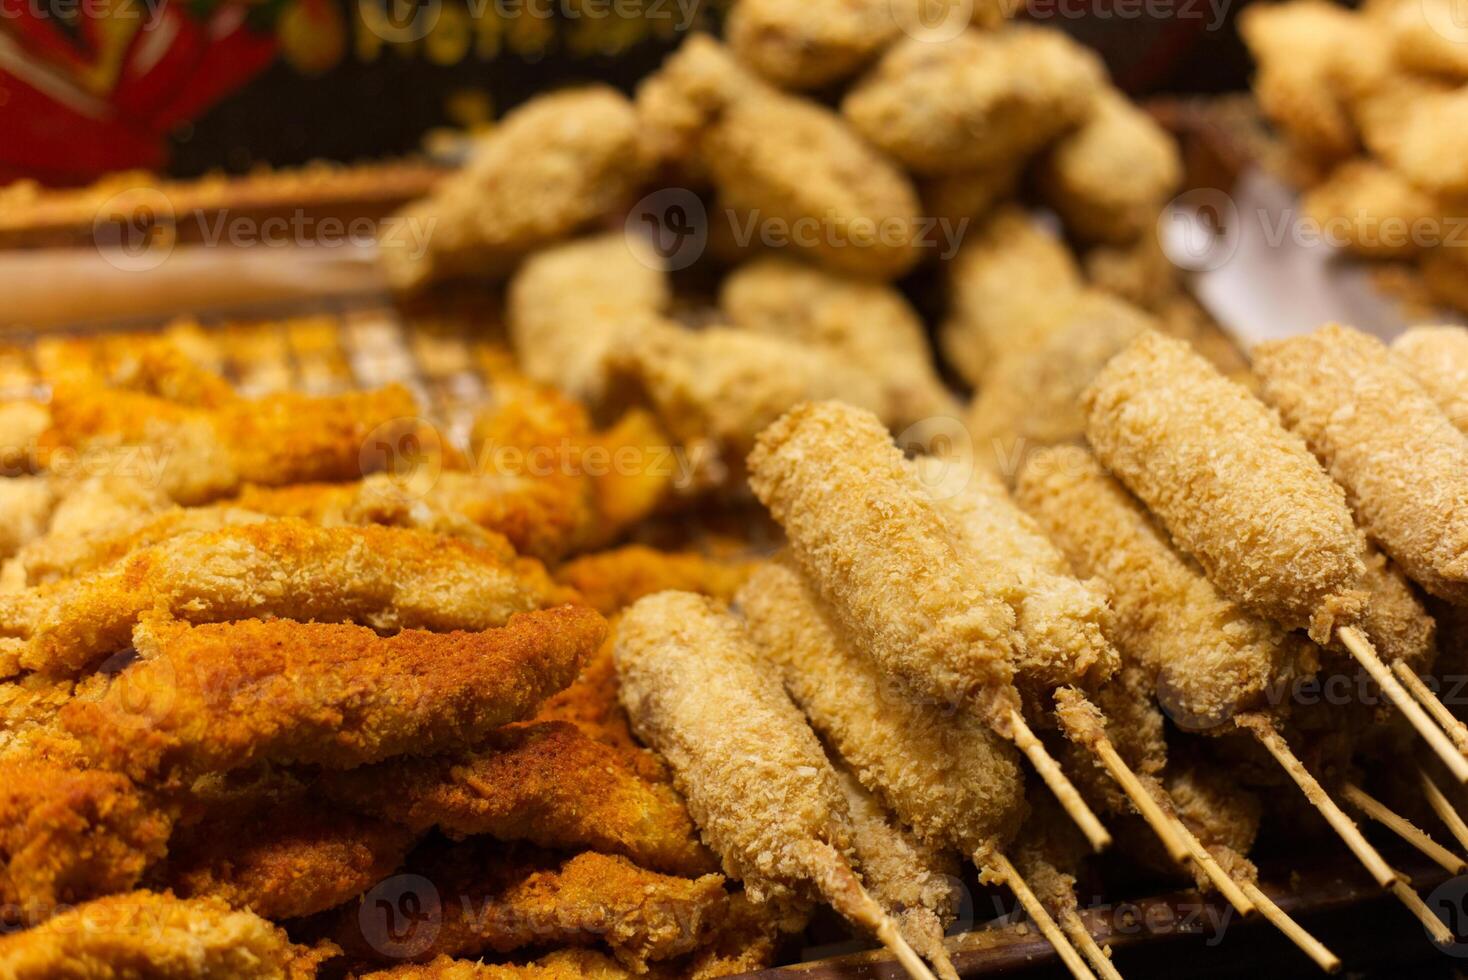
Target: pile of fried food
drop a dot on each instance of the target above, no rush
(294, 685)
(1370, 101)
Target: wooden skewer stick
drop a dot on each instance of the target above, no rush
(1081, 936)
(1360, 647)
(1049, 770)
(1444, 809)
(1281, 920)
(1263, 729)
(1403, 828)
(1455, 728)
(840, 887)
(1226, 886)
(998, 865)
(1440, 933)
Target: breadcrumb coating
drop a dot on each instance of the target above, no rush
(1371, 209)
(563, 964)
(545, 783)
(1110, 179)
(976, 99)
(1417, 129)
(944, 774)
(547, 169)
(1437, 359)
(1403, 463)
(284, 862)
(1006, 284)
(1395, 621)
(1234, 489)
(592, 704)
(69, 833)
(869, 324)
(155, 935)
(757, 782)
(387, 578)
(487, 898)
(877, 548)
(609, 581)
(1062, 621)
(567, 303)
(1419, 40)
(228, 695)
(21, 424)
(1214, 805)
(26, 503)
(969, 196)
(1208, 657)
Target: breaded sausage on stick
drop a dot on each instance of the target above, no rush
(1245, 498)
(944, 774)
(757, 782)
(880, 552)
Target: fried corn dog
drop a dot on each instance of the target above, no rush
(867, 534)
(1372, 425)
(869, 324)
(757, 781)
(1111, 177)
(150, 934)
(944, 774)
(974, 100)
(227, 695)
(549, 168)
(388, 578)
(545, 783)
(1208, 657)
(1437, 359)
(1234, 489)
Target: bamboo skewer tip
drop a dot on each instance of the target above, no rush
(1065, 792)
(1277, 917)
(1403, 828)
(1076, 929)
(1440, 933)
(995, 861)
(1414, 684)
(1443, 807)
(1145, 803)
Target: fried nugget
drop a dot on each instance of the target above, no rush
(1427, 37)
(545, 783)
(1371, 209)
(550, 167)
(1208, 657)
(870, 539)
(204, 454)
(481, 897)
(1006, 284)
(970, 195)
(565, 964)
(567, 303)
(948, 777)
(608, 581)
(1235, 489)
(1403, 463)
(869, 324)
(1437, 359)
(149, 934)
(293, 859)
(228, 695)
(69, 833)
(1416, 128)
(1110, 179)
(974, 100)
(388, 578)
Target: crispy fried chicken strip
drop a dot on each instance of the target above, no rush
(608, 581)
(1437, 359)
(883, 556)
(591, 704)
(564, 964)
(1402, 461)
(150, 934)
(227, 695)
(1235, 490)
(293, 859)
(388, 578)
(545, 783)
(70, 833)
(204, 454)
(487, 898)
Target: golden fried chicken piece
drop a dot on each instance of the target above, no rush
(976, 99)
(21, 424)
(546, 783)
(492, 898)
(1427, 36)
(155, 935)
(199, 454)
(1372, 210)
(609, 581)
(228, 695)
(26, 505)
(1110, 179)
(1415, 127)
(642, 473)
(550, 167)
(870, 324)
(564, 964)
(292, 859)
(592, 705)
(1437, 359)
(70, 833)
(388, 578)
(967, 197)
